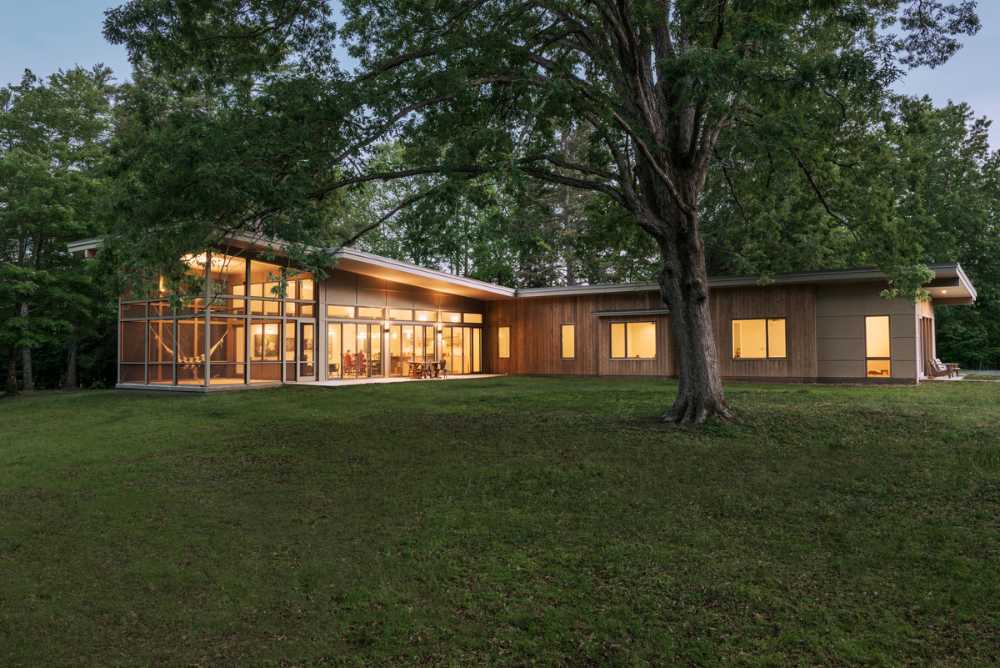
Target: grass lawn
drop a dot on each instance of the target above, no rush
(501, 521)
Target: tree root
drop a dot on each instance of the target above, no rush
(696, 411)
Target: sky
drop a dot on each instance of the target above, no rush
(45, 35)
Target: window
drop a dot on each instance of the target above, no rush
(633, 340)
(400, 314)
(503, 342)
(877, 346)
(451, 317)
(568, 342)
(426, 316)
(759, 339)
(339, 311)
(265, 280)
(473, 318)
(370, 313)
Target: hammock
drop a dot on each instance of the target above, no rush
(189, 360)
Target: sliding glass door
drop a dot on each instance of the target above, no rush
(409, 344)
(353, 350)
(461, 349)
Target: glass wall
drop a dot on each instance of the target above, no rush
(461, 349)
(353, 350)
(409, 344)
(250, 321)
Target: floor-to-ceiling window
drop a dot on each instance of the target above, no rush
(461, 349)
(409, 344)
(407, 337)
(877, 347)
(353, 349)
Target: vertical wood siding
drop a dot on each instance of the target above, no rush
(535, 333)
(796, 304)
(535, 343)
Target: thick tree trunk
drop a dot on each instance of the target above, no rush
(684, 287)
(70, 382)
(10, 386)
(27, 374)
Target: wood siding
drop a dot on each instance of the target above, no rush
(796, 304)
(535, 333)
(535, 328)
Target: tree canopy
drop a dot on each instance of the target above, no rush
(669, 100)
(53, 139)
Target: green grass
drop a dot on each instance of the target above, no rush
(981, 376)
(501, 521)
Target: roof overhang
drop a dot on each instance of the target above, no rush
(377, 266)
(951, 285)
(573, 290)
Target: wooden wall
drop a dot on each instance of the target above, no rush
(796, 304)
(535, 346)
(535, 333)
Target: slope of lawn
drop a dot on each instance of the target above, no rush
(501, 521)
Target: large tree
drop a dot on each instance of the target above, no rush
(488, 86)
(53, 137)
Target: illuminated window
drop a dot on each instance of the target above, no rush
(568, 342)
(426, 316)
(633, 340)
(306, 287)
(759, 339)
(265, 280)
(451, 317)
(474, 318)
(339, 311)
(400, 314)
(503, 342)
(877, 346)
(370, 313)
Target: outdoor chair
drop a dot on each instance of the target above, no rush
(939, 369)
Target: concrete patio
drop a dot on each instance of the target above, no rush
(374, 381)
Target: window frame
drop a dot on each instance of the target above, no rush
(562, 341)
(887, 360)
(500, 351)
(625, 324)
(767, 340)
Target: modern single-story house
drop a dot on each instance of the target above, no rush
(373, 316)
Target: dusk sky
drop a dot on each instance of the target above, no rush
(45, 35)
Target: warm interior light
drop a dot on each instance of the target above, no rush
(944, 292)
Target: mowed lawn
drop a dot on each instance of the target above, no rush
(501, 521)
